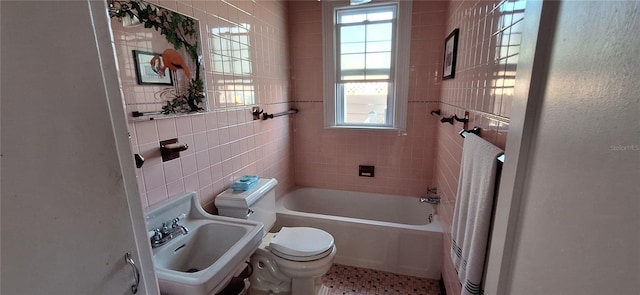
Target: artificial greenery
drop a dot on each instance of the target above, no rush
(186, 102)
(180, 31)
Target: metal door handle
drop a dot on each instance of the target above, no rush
(135, 272)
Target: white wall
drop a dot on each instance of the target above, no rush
(578, 226)
(70, 207)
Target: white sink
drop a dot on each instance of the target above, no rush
(202, 261)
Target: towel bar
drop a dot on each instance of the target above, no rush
(476, 131)
(441, 118)
(257, 112)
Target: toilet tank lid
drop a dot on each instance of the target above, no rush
(245, 199)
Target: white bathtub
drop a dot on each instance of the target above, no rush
(383, 232)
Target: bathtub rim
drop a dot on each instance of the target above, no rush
(434, 226)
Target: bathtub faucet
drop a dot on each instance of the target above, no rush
(432, 196)
(430, 200)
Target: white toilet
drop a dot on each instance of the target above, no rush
(289, 262)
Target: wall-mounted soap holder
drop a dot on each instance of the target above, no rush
(366, 170)
(171, 148)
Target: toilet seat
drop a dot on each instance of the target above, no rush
(301, 243)
(302, 258)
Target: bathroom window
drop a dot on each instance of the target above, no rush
(366, 51)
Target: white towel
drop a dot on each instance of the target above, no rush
(472, 213)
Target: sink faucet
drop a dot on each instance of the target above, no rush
(167, 233)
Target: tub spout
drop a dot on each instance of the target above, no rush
(430, 200)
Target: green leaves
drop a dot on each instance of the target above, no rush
(180, 31)
(187, 103)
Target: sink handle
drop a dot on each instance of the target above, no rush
(155, 235)
(249, 212)
(135, 272)
(180, 217)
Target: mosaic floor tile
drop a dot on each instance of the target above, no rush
(349, 280)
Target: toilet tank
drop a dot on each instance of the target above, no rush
(256, 204)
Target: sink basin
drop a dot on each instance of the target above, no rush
(200, 249)
(202, 261)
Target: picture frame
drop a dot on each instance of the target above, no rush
(145, 72)
(450, 55)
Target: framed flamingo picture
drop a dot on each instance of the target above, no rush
(150, 69)
(450, 55)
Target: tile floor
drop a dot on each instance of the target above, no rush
(349, 280)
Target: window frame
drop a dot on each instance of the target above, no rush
(397, 102)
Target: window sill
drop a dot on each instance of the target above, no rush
(355, 127)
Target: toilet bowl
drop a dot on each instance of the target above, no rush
(289, 262)
(297, 267)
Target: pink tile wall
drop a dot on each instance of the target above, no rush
(224, 143)
(330, 158)
(488, 50)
